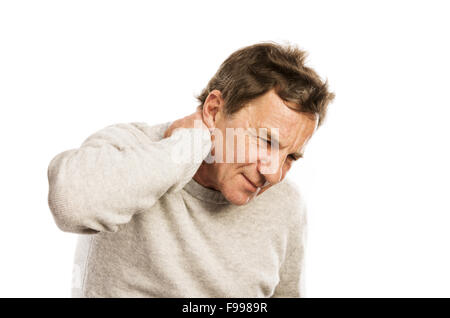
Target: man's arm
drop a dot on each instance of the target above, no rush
(118, 172)
(292, 278)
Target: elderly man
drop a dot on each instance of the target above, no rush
(157, 223)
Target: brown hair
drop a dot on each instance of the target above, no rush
(253, 70)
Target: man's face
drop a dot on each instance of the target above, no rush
(240, 181)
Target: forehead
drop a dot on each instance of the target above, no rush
(270, 111)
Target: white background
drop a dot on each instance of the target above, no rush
(376, 175)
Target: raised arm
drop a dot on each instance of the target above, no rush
(118, 172)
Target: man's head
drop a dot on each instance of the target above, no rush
(261, 86)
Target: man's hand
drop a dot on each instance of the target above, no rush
(186, 122)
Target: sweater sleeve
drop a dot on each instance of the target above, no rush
(120, 171)
(292, 282)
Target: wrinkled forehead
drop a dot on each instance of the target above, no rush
(296, 127)
(271, 112)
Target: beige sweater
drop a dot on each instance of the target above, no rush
(147, 229)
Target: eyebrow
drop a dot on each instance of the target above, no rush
(296, 155)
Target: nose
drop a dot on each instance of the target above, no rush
(273, 166)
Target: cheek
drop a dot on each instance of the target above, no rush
(244, 150)
(254, 149)
(233, 150)
(229, 172)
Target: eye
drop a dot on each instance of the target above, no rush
(292, 157)
(265, 140)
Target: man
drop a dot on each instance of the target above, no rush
(157, 223)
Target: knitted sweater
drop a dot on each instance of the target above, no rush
(146, 228)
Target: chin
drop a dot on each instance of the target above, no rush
(236, 196)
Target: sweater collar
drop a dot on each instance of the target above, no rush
(205, 194)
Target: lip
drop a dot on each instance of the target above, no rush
(254, 188)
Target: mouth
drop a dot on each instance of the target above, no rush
(251, 185)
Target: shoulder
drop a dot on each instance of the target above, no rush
(288, 191)
(289, 188)
(290, 198)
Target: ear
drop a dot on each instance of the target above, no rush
(212, 108)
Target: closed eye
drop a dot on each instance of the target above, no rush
(291, 156)
(265, 140)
